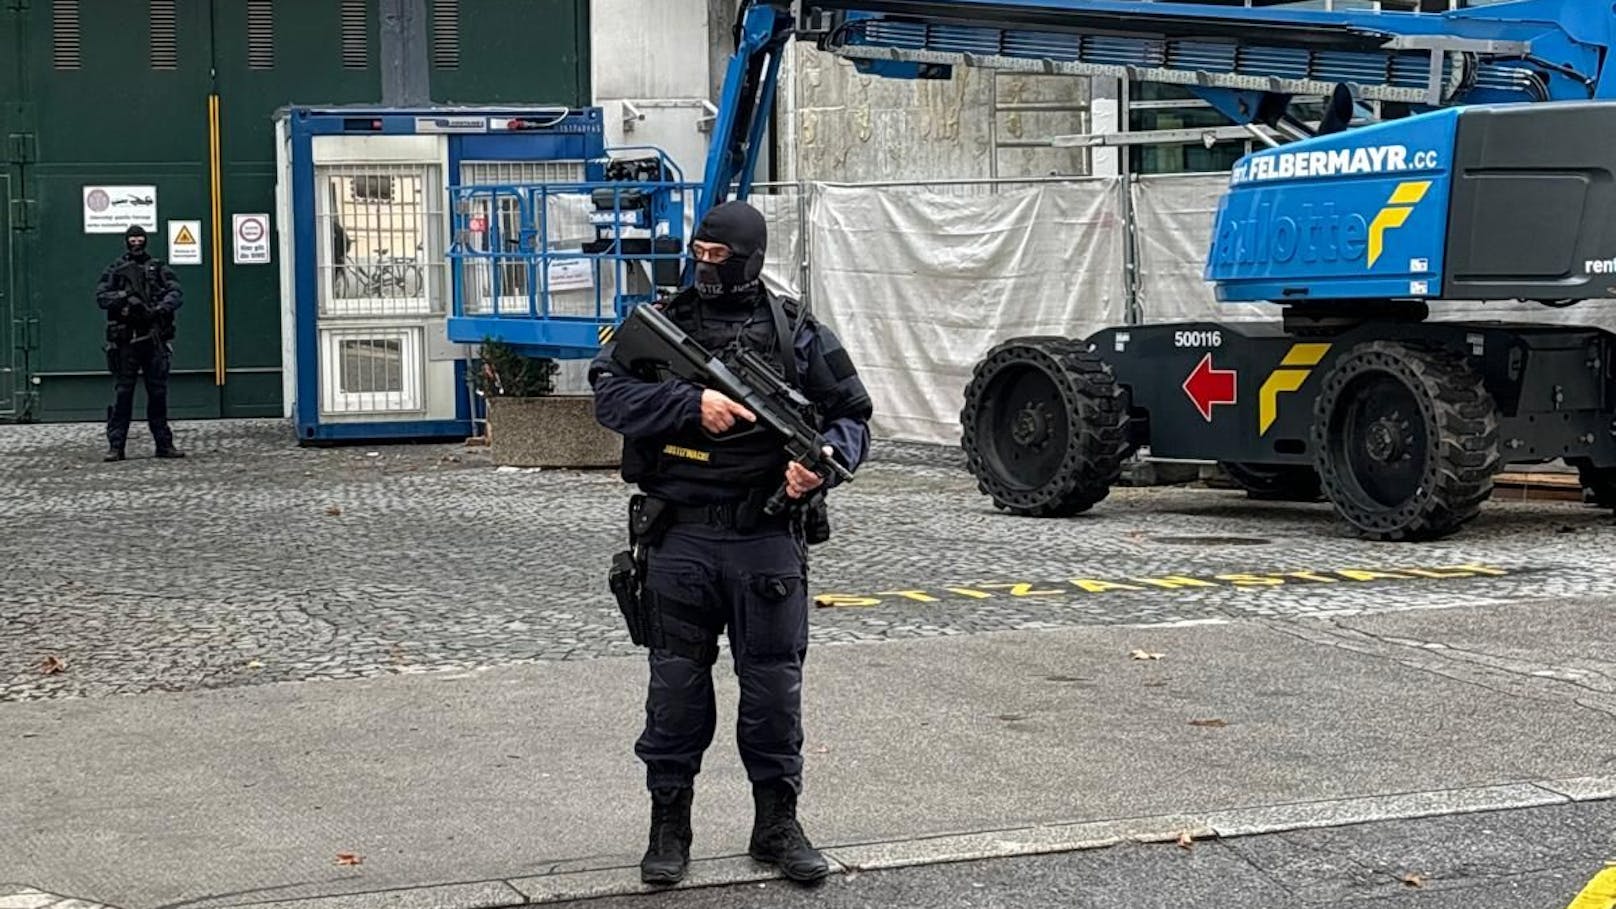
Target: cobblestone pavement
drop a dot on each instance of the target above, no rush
(256, 561)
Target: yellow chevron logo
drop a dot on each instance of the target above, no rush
(1291, 374)
(1395, 214)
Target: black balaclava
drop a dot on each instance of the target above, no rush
(134, 240)
(742, 228)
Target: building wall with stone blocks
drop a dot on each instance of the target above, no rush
(836, 124)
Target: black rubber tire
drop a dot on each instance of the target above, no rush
(1435, 465)
(1044, 427)
(1276, 482)
(1598, 485)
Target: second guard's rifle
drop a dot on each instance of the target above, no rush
(648, 339)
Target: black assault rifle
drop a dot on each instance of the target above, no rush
(649, 339)
(145, 313)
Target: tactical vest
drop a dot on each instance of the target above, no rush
(746, 457)
(145, 279)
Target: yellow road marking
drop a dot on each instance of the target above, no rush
(1233, 581)
(919, 596)
(1174, 582)
(1600, 892)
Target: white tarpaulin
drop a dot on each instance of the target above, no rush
(1174, 218)
(782, 265)
(919, 284)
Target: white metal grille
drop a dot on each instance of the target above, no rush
(260, 34)
(355, 35)
(165, 51)
(371, 370)
(66, 38)
(379, 240)
(521, 172)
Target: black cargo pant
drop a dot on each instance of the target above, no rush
(147, 358)
(703, 579)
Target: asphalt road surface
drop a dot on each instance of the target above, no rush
(1537, 858)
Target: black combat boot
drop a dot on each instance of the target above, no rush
(169, 451)
(113, 454)
(668, 854)
(778, 839)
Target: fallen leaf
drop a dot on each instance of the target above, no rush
(348, 858)
(1211, 724)
(1145, 655)
(51, 665)
(333, 511)
(1413, 880)
(1185, 841)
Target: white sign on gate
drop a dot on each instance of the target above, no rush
(185, 242)
(112, 209)
(251, 233)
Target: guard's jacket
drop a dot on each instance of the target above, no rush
(666, 450)
(133, 279)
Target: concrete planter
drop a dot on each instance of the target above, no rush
(554, 431)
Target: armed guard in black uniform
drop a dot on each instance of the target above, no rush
(713, 559)
(140, 296)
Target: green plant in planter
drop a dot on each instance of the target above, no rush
(508, 374)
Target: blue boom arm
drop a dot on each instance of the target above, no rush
(1249, 63)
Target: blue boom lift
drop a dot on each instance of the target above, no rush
(1489, 173)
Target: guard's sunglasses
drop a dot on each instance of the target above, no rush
(713, 253)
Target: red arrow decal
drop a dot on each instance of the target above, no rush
(1208, 387)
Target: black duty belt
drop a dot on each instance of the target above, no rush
(739, 515)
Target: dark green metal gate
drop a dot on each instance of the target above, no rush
(122, 93)
(10, 345)
(15, 146)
